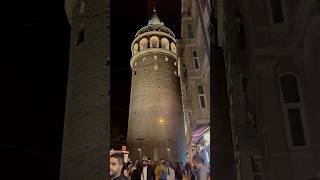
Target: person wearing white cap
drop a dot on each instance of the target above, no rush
(147, 172)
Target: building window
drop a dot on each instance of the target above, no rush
(195, 60)
(291, 100)
(277, 11)
(202, 100)
(190, 32)
(256, 162)
(296, 127)
(81, 35)
(239, 29)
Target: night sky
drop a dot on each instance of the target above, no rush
(35, 39)
(34, 62)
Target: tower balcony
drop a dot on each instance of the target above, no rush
(153, 39)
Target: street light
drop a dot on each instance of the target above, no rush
(168, 149)
(140, 139)
(139, 153)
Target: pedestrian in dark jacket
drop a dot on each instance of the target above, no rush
(116, 165)
(178, 172)
(135, 171)
(147, 171)
(203, 172)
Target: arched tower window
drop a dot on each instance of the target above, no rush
(135, 48)
(173, 47)
(201, 95)
(143, 44)
(165, 43)
(154, 42)
(293, 109)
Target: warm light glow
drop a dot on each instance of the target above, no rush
(139, 149)
(168, 149)
(161, 120)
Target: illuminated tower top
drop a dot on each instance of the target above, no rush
(155, 36)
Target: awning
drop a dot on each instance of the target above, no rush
(199, 131)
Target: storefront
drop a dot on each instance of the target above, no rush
(200, 143)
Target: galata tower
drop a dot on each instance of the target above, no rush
(155, 126)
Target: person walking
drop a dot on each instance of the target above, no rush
(161, 171)
(170, 171)
(177, 171)
(135, 171)
(116, 165)
(203, 172)
(125, 170)
(147, 171)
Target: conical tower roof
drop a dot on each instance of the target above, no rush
(154, 24)
(154, 20)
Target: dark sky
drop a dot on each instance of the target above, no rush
(127, 17)
(34, 38)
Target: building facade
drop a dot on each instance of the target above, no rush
(194, 54)
(86, 126)
(155, 112)
(271, 51)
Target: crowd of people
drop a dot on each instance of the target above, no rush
(161, 170)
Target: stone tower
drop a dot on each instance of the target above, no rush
(86, 127)
(155, 126)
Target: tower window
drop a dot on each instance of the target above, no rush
(292, 104)
(135, 48)
(173, 47)
(277, 11)
(202, 100)
(143, 44)
(190, 32)
(154, 42)
(155, 67)
(165, 43)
